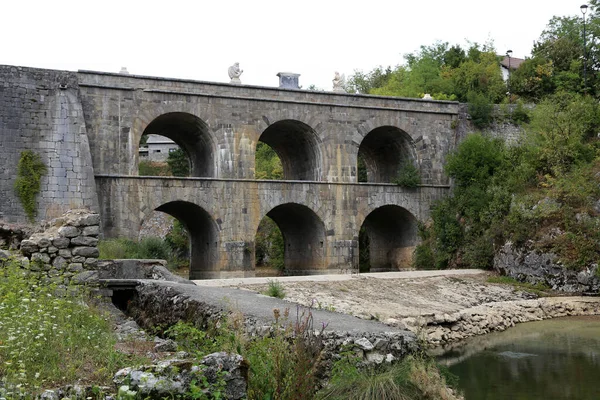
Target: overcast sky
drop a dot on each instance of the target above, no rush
(200, 39)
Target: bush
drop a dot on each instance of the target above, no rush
(153, 168)
(413, 378)
(408, 176)
(275, 289)
(147, 248)
(179, 163)
(480, 109)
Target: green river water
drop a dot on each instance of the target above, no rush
(554, 359)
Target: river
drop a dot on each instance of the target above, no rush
(551, 360)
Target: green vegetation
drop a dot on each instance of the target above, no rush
(48, 340)
(179, 163)
(153, 168)
(543, 190)
(408, 176)
(268, 164)
(147, 248)
(539, 289)
(269, 242)
(275, 289)
(30, 170)
(411, 378)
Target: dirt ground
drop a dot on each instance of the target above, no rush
(389, 300)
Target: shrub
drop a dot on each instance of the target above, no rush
(408, 176)
(413, 378)
(275, 289)
(153, 168)
(30, 170)
(178, 163)
(147, 248)
(480, 109)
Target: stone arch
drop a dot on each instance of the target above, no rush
(391, 231)
(192, 135)
(385, 150)
(204, 236)
(298, 147)
(303, 235)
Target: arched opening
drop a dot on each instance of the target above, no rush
(190, 134)
(297, 146)
(383, 153)
(387, 239)
(203, 237)
(160, 156)
(303, 235)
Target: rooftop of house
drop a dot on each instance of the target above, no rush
(514, 62)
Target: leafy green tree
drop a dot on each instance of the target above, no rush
(268, 165)
(179, 163)
(364, 83)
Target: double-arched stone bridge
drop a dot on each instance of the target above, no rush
(87, 127)
(319, 206)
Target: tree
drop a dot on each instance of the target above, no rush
(179, 163)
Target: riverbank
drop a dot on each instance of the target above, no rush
(439, 309)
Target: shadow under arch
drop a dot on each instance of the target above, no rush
(204, 237)
(387, 239)
(298, 148)
(384, 151)
(303, 236)
(192, 135)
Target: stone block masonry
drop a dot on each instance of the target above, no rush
(40, 110)
(66, 251)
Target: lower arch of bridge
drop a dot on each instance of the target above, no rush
(387, 240)
(298, 148)
(384, 151)
(204, 237)
(192, 135)
(303, 236)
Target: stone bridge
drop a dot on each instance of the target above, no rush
(319, 206)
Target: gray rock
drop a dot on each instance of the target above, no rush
(364, 344)
(86, 252)
(61, 243)
(90, 263)
(165, 345)
(84, 241)
(52, 250)
(78, 259)
(236, 371)
(29, 247)
(88, 220)
(44, 242)
(4, 254)
(535, 267)
(375, 358)
(85, 277)
(59, 262)
(68, 232)
(91, 231)
(40, 258)
(65, 253)
(75, 267)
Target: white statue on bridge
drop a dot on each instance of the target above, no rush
(234, 73)
(338, 83)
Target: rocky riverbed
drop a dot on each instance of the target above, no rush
(441, 309)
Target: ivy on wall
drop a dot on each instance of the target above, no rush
(30, 170)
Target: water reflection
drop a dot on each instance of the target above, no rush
(554, 359)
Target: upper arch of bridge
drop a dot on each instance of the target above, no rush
(298, 147)
(385, 150)
(191, 134)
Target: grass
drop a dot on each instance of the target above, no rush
(275, 289)
(539, 289)
(410, 379)
(147, 248)
(47, 340)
